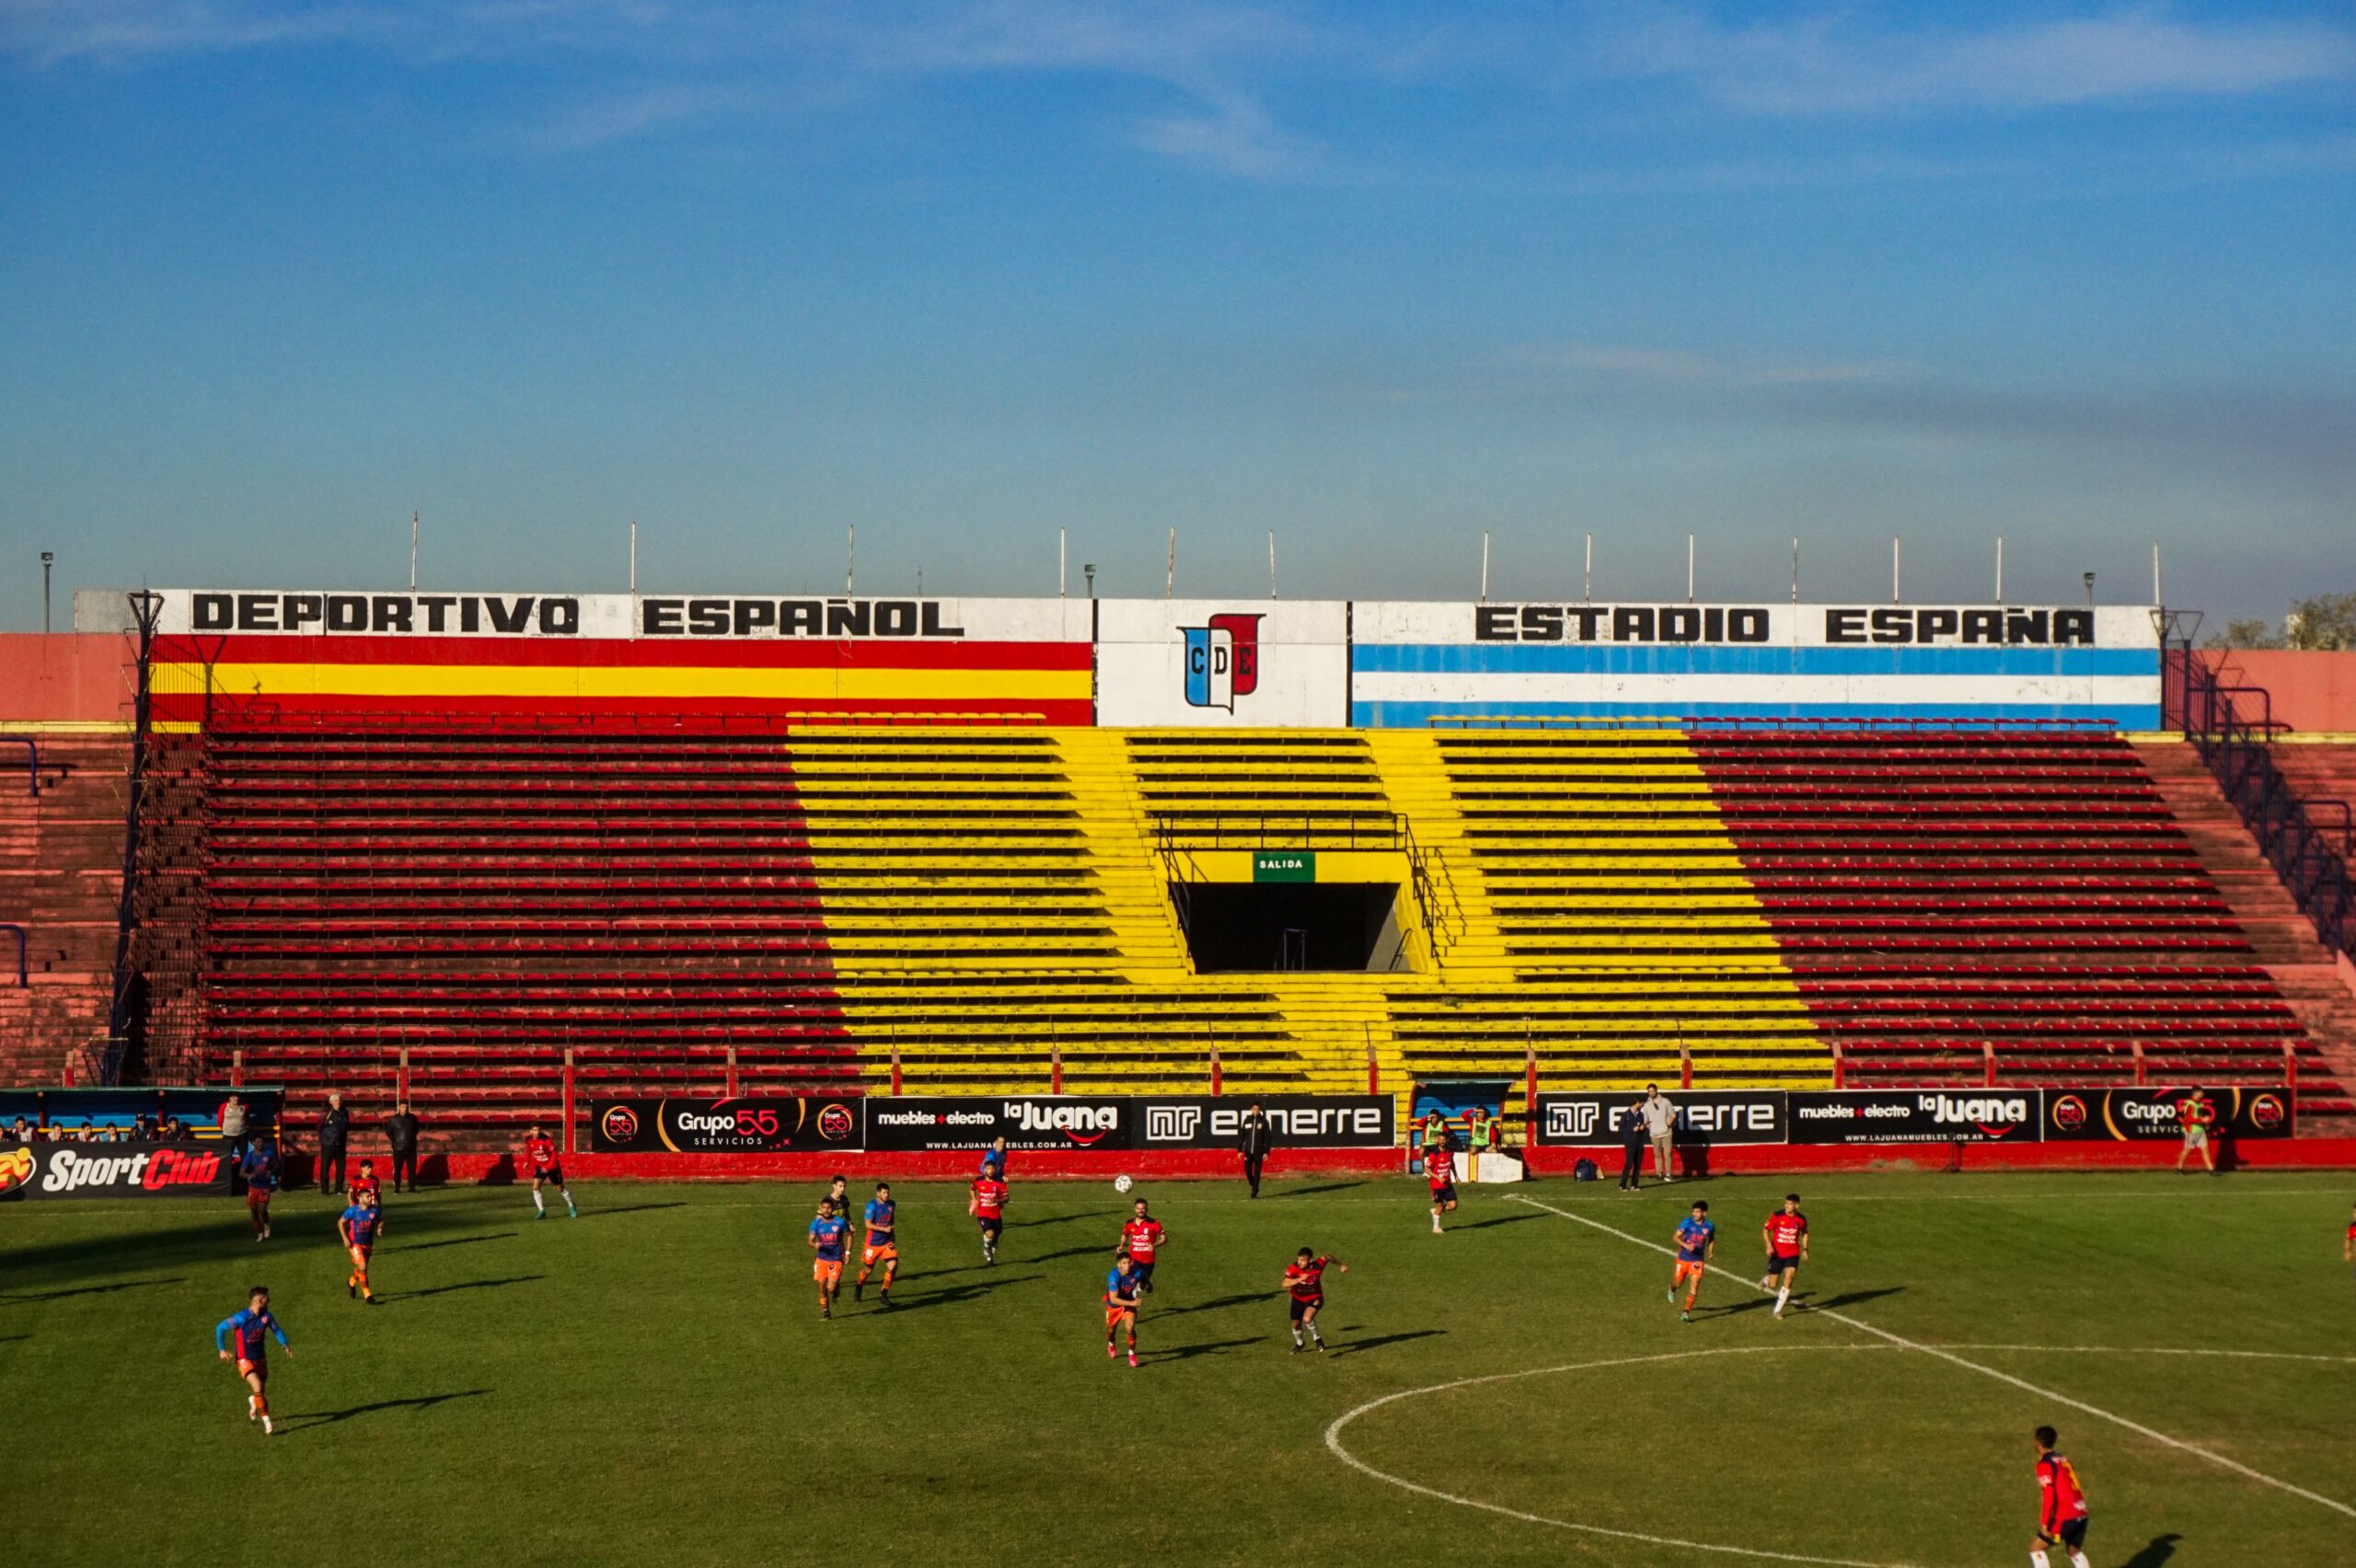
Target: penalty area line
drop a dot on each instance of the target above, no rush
(1933, 1351)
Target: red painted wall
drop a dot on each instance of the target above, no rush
(64, 677)
(2314, 693)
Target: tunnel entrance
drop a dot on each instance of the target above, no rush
(1269, 926)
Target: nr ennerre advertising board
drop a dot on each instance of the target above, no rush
(1712, 1116)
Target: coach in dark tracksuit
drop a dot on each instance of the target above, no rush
(1632, 1147)
(400, 1131)
(335, 1134)
(1253, 1138)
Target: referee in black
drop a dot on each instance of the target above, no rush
(1254, 1137)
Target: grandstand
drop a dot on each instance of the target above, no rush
(493, 899)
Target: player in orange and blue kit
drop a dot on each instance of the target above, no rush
(829, 1238)
(254, 1327)
(358, 1226)
(259, 1167)
(2061, 1505)
(1697, 1244)
(883, 1244)
(1121, 1287)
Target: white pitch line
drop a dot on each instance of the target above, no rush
(2096, 1410)
(1334, 1442)
(2148, 1350)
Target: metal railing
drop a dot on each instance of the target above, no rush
(32, 759)
(2235, 745)
(1294, 829)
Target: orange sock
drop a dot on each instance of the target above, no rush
(261, 1404)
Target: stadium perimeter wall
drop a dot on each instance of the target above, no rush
(2314, 693)
(64, 678)
(2289, 1154)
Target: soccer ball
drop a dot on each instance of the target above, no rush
(1121, 1183)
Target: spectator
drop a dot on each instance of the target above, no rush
(1661, 1125)
(20, 1131)
(335, 1136)
(1254, 1137)
(233, 1127)
(173, 1130)
(1632, 1147)
(400, 1131)
(143, 1127)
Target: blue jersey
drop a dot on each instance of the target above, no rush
(252, 1328)
(363, 1221)
(1694, 1238)
(880, 1212)
(1121, 1287)
(830, 1234)
(259, 1168)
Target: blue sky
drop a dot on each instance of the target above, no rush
(1376, 277)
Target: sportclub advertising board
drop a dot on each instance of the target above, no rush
(78, 1170)
(747, 1125)
(1831, 1117)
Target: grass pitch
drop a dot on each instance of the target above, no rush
(651, 1383)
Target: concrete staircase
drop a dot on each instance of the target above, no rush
(61, 870)
(2319, 986)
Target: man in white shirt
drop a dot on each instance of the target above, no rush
(1660, 1122)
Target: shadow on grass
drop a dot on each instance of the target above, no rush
(455, 1241)
(1847, 1298)
(1359, 1348)
(1105, 1252)
(1209, 1347)
(1065, 1218)
(1312, 1191)
(423, 1401)
(627, 1208)
(1221, 1304)
(466, 1285)
(2160, 1550)
(1501, 1219)
(953, 1295)
(90, 1290)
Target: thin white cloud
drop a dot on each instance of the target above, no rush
(629, 115)
(1687, 367)
(1836, 62)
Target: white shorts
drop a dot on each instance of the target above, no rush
(2196, 1137)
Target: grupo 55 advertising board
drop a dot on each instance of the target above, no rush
(112, 1171)
(2134, 1115)
(748, 1125)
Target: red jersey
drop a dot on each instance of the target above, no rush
(2062, 1498)
(1141, 1236)
(989, 1199)
(372, 1186)
(541, 1152)
(1784, 1231)
(1440, 1165)
(1306, 1281)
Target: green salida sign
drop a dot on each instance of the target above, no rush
(1284, 865)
